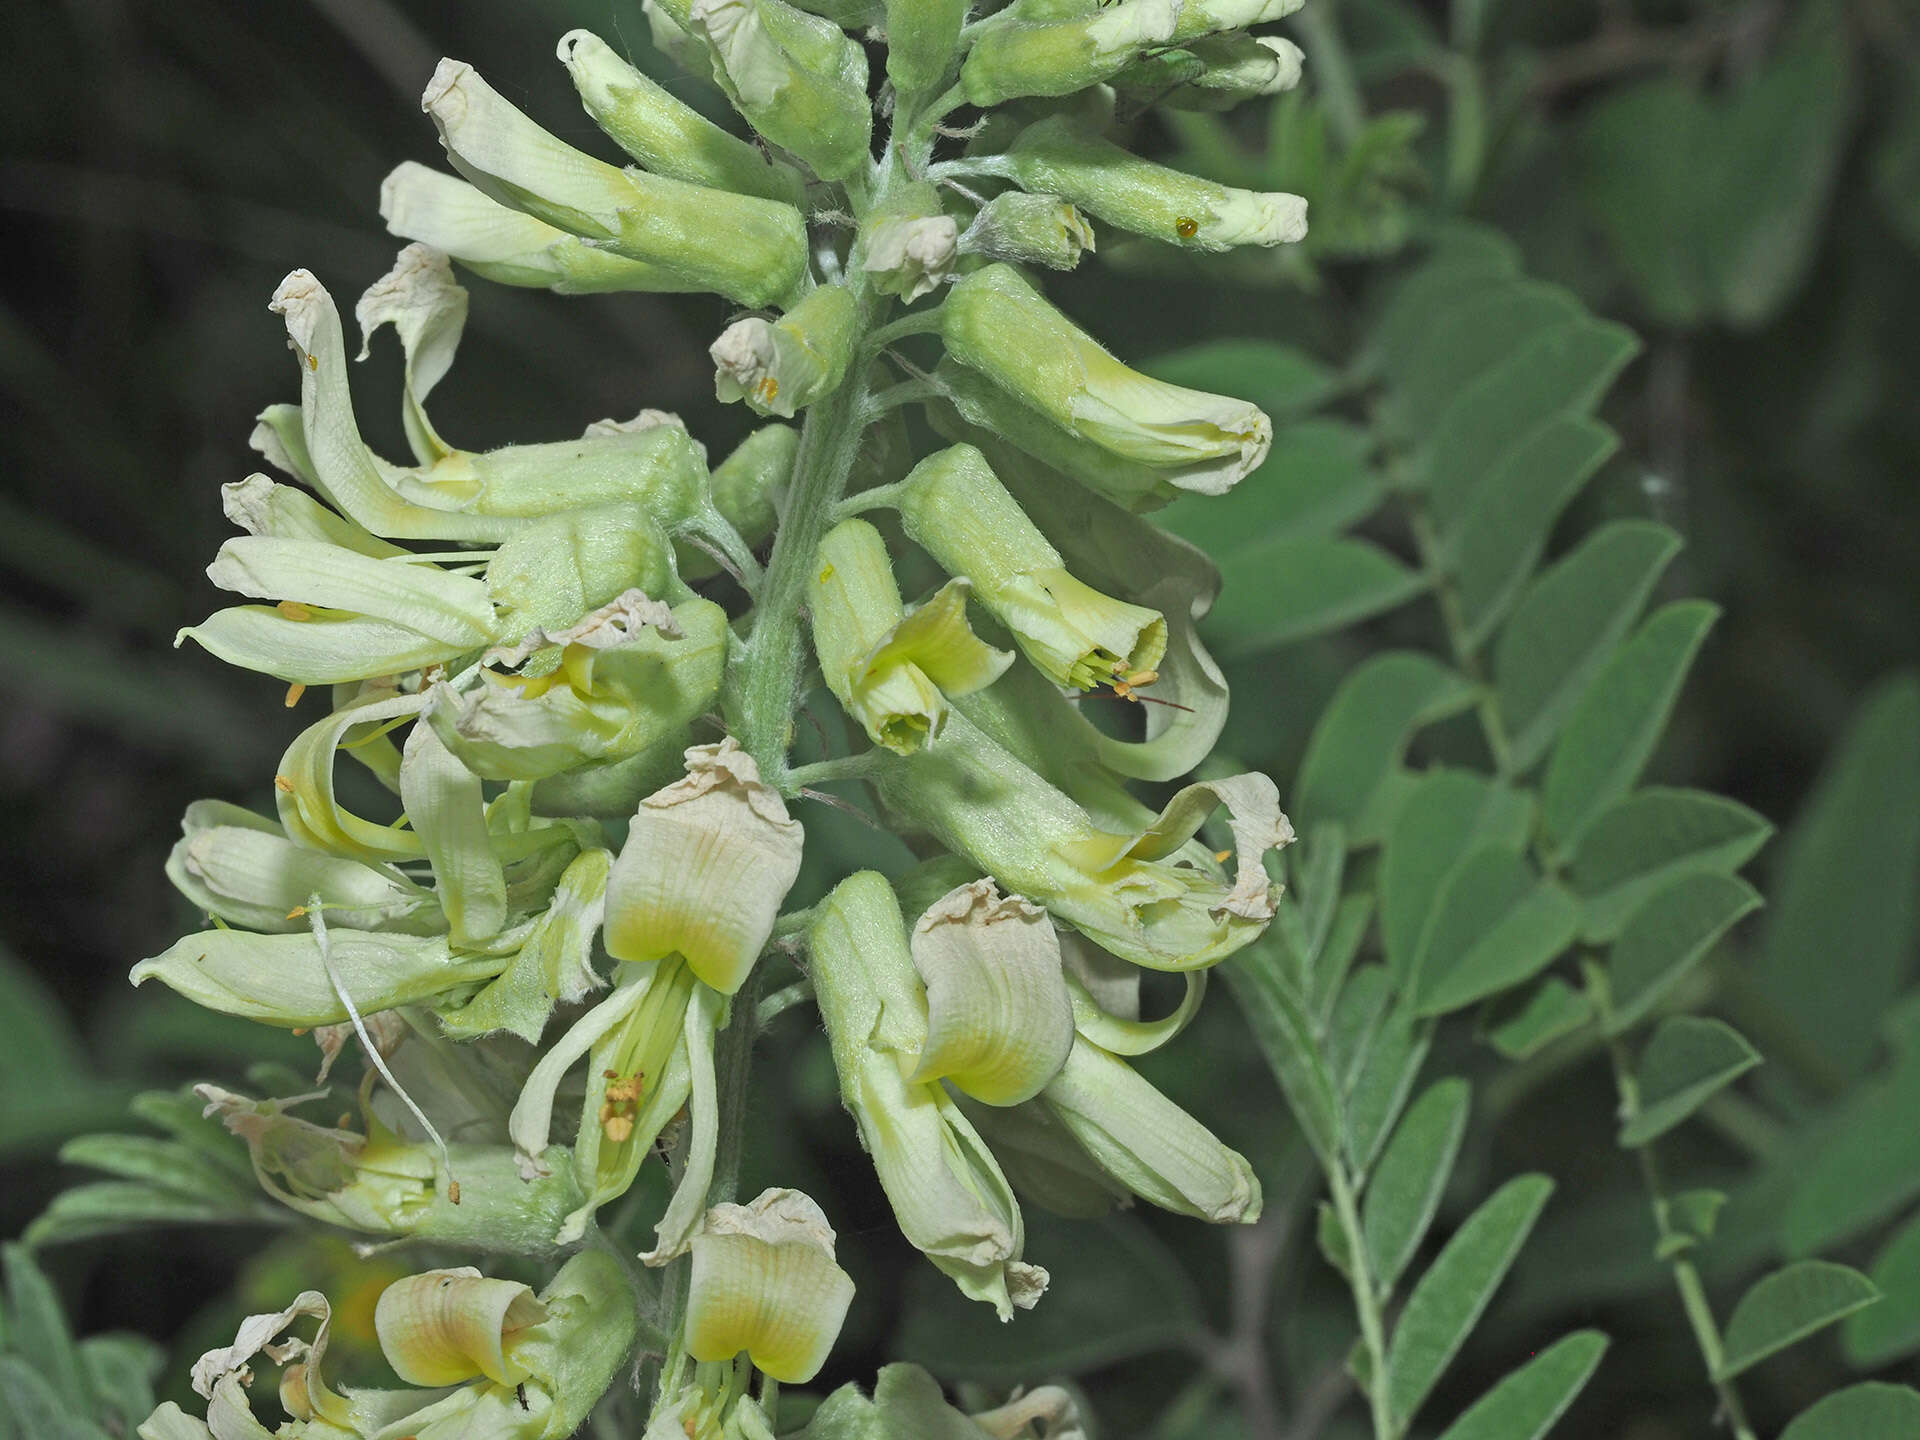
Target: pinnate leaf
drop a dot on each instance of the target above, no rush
(1667, 937)
(1406, 1186)
(1688, 1061)
(1649, 840)
(1869, 1411)
(1525, 1404)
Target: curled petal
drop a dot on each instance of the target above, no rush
(707, 862)
(443, 1327)
(999, 1017)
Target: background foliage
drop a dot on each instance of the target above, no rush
(1592, 474)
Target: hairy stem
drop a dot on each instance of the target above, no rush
(1366, 1300)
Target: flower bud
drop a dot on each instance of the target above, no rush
(746, 485)
(1029, 230)
(764, 1281)
(1014, 56)
(1147, 1143)
(1065, 158)
(242, 868)
(383, 1185)
(889, 670)
(1210, 17)
(561, 566)
(506, 246)
(1216, 72)
(800, 80)
(751, 250)
(955, 509)
(996, 323)
(911, 256)
(282, 979)
(632, 675)
(922, 37)
(780, 366)
(341, 615)
(999, 1018)
(706, 864)
(948, 1194)
(664, 134)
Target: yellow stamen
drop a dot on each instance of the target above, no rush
(294, 692)
(294, 610)
(283, 784)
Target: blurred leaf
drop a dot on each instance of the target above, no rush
(1116, 1293)
(1467, 260)
(1846, 886)
(112, 1207)
(1891, 1329)
(1566, 624)
(1282, 380)
(1286, 1038)
(1405, 1188)
(1317, 480)
(36, 1330)
(1867, 1165)
(1351, 919)
(1692, 1216)
(1495, 923)
(1355, 1022)
(1688, 1061)
(1445, 814)
(1501, 538)
(1282, 589)
(1786, 1307)
(164, 1164)
(1618, 719)
(1381, 1088)
(1473, 333)
(1363, 733)
(36, 1410)
(1330, 1236)
(1560, 373)
(1526, 1403)
(1648, 841)
(1451, 1296)
(1553, 1009)
(1667, 937)
(1721, 217)
(121, 1370)
(1870, 1411)
(1896, 171)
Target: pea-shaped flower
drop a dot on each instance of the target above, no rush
(911, 249)
(780, 366)
(707, 862)
(632, 677)
(956, 509)
(999, 1018)
(889, 670)
(952, 1202)
(765, 1282)
(996, 323)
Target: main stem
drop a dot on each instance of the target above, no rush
(1366, 1299)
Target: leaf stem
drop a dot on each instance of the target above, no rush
(1332, 70)
(1366, 1300)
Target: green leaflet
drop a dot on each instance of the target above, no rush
(1686, 1063)
(1362, 735)
(1565, 625)
(1455, 1290)
(1619, 719)
(1526, 1403)
(1786, 1307)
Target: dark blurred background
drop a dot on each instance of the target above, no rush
(163, 165)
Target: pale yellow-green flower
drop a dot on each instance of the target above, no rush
(765, 1282)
